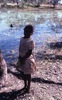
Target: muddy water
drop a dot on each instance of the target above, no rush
(47, 27)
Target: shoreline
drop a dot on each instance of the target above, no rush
(30, 8)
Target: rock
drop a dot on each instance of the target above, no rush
(12, 51)
(11, 5)
(56, 45)
(11, 25)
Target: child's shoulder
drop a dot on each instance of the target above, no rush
(21, 39)
(30, 40)
(31, 44)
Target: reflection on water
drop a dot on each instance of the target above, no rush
(47, 24)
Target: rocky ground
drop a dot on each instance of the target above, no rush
(46, 83)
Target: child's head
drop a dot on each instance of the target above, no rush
(28, 30)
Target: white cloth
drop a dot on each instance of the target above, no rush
(29, 66)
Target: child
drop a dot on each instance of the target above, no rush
(3, 70)
(26, 58)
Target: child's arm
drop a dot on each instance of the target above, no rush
(22, 59)
(28, 54)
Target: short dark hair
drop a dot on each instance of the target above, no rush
(28, 29)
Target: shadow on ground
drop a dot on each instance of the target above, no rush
(12, 95)
(19, 93)
(18, 74)
(44, 81)
(56, 45)
(36, 79)
(46, 56)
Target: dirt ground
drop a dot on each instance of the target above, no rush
(46, 83)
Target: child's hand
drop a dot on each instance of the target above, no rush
(22, 60)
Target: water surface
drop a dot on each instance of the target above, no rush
(47, 27)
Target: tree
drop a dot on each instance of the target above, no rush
(54, 2)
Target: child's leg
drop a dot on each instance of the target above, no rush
(25, 81)
(28, 82)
